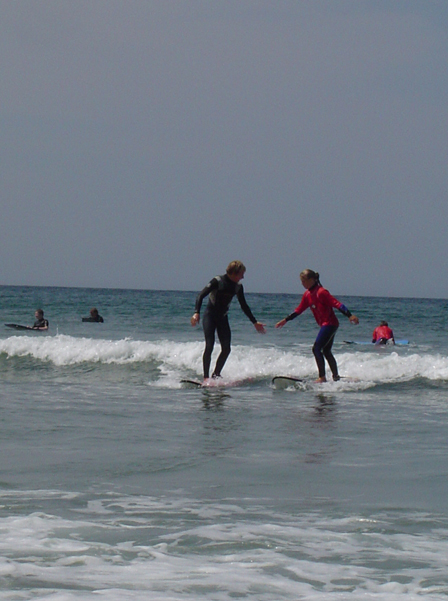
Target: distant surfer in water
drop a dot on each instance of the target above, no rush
(94, 316)
(321, 303)
(40, 323)
(221, 290)
(382, 334)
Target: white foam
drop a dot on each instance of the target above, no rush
(175, 360)
(145, 548)
(68, 350)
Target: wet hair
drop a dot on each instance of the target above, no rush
(309, 274)
(40, 311)
(235, 267)
(93, 311)
(384, 323)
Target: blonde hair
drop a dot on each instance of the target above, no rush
(235, 267)
(309, 274)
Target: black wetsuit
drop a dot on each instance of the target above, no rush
(221, 290)
(41, 323)
(97, 319)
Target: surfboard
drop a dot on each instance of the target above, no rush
(17, 326)
(191, 384)
(212, 383)
(282, 382)
(370, 343)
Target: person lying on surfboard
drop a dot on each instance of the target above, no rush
(382, 334)
(221, 290)
(321, 303)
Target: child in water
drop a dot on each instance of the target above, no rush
(321, 303)
(41, 323)
(94, 316)
(382, 334)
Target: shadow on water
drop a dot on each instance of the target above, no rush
(213, 400)
(319, 445)
(221, 425)
(312, 426)
(319, 411)
(324, 409)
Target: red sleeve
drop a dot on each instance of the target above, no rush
(326, 298)
(304, 304)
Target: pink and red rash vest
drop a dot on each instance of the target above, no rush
(382, 332)
(321, 303)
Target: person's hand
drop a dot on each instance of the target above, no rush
(260, 327)
(354, 320)
(195, 319)
(281, 323)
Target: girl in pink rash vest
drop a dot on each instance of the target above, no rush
(321, 303)
(382, 334)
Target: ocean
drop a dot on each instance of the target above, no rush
(117, 483)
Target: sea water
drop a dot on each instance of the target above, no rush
(117, 483)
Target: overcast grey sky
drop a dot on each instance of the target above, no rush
(147, 143)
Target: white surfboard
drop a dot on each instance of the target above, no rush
(191, 384)
(283, 382)
(215, 383)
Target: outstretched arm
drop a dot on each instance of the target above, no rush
(343, 309)
(304, 304)
(245, 307)
(293, 315)
(280, 323)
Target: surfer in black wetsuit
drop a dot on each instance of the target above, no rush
(221, 290)
(95, 317)
(40, 323)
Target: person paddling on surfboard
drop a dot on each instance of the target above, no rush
(321, 303)
(382, 334)
(221, 290)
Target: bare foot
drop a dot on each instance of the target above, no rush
(321, 380)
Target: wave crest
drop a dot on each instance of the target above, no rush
(177, 359)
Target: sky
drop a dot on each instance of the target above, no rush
(147, 143)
